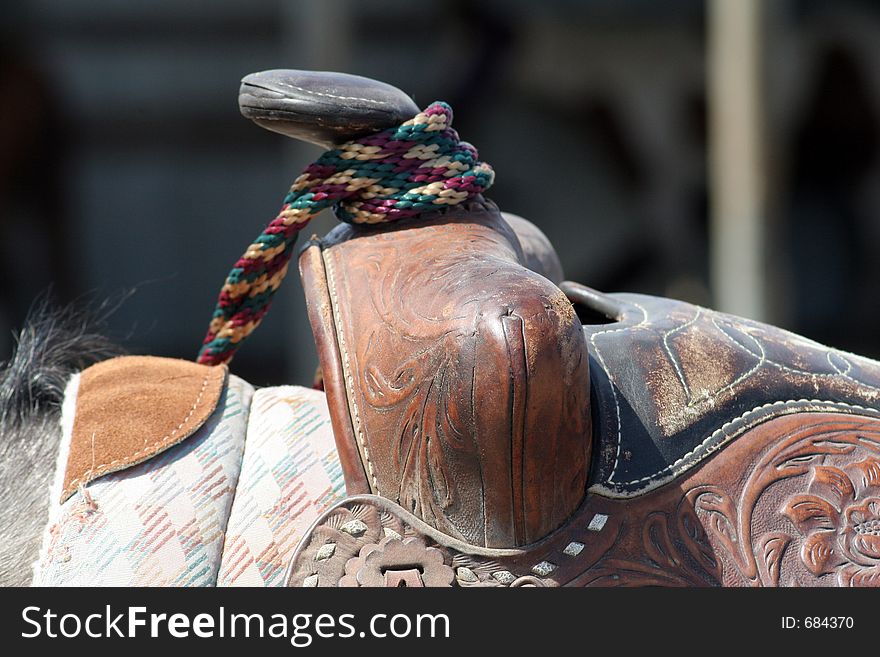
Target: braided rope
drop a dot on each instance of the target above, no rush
(401, 172)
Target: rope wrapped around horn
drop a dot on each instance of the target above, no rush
(398, 173)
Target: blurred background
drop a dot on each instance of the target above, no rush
(720, 151)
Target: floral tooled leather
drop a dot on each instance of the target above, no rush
(840, 519)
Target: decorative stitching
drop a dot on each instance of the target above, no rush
(311, 92)
(849, 367)
(843, 373)
(762, 358)
(668, 350)
(714, 317)
(795, 370)
(349, 380)
(598, 353)
(104, 468)
(722, 430)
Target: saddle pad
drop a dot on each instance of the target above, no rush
(290, 475)
(225, 506)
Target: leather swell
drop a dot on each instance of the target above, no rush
(458, 379)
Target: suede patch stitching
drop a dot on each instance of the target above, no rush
(134, 459)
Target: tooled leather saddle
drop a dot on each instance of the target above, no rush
(498, 426)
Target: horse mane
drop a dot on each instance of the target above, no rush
(54, 343)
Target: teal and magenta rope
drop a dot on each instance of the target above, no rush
(401, 172)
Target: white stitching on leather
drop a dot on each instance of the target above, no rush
(598, 354)
(845, 374)
(672, 359)
(762, 360)
(327, 95)
(131, 459)
(801, 403)
(795, 370)
(346, 365)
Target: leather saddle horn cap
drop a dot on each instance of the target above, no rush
(322, 108)
(457, 378)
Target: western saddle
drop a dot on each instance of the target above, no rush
(495, 425)
(498, 426)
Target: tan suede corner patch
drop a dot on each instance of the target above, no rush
(131, 408)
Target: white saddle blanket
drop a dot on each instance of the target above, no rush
(226, 507)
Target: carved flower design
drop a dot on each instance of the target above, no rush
(393, 561)
(840, 518)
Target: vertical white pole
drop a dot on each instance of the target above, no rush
(736, 157)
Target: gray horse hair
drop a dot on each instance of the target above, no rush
(53, 344)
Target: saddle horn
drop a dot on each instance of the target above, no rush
(456, 371)
(322, 108)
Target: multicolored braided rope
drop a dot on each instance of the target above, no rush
(401, 172)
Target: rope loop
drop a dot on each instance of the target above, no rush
(420, 165)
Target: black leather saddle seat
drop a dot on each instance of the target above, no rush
(673, 382)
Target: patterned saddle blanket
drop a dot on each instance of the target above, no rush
(200, 480)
